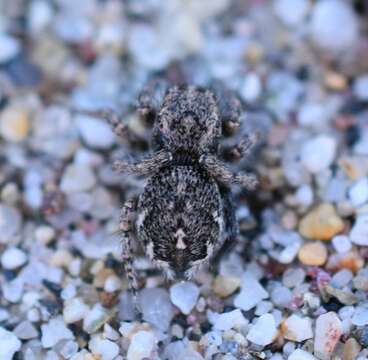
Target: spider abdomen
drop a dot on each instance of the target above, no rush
(180, 218)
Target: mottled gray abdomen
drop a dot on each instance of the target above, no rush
(180, 217)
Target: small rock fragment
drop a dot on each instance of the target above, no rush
(156, 307)
(293, 277)
(326, 29)
(300, 354)
(360, 317)
(313, 254)
(264, 331)
(251, 293)
(296, 328)
(230, 320)
(54, 331)
(360, 87)
(77, 178)
(359, 232)
(14, 124)
(68, 349)
(142, 345)
(345, 297)
(281, 296)
(96, 318)
(321, 223)
(328, 332)
(25, 331)
(9, 344)
(341, 243)
(74, 310)
(311, 153)
(358, 192)
(184, 295)
(96, 133)
(291, 12)
(224, 286)
(13, 258)
(10, 222)
(104, 349)
(351, 349)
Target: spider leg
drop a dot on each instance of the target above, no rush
(126, 227)
(151, 97)
(111, 117)
(243, 148)
(224, 175)
(229, 106)
(149, 165)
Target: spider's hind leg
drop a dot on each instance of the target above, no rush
(127, 228)
(231, 229)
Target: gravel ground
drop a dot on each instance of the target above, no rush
(296, 284)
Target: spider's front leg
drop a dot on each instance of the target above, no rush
(243, 148)
(151, 97)
(147, 166)
(230, 107)
(126, 227)
(224, 175)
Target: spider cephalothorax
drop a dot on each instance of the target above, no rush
(185, 213)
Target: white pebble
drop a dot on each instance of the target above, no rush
(251, 293)
(68, 349)
(313, 149)
(13, 258)
(293, 277)
(156, 307)
(341, 278)
(44, 234)
(341, 243)
(77, 178)
(95, 318)
(54, 331)
(360, 87)
(25, 331)
(263, 307)
(13, 290)
(291, 12)
(9, 344)
(326, 25)
(9, 47)
(297, 328)
(10, 222)
(358, 192)
(230, 320)
(328, 332)
(184, 295)
(281, 296)
(251, 88)
(74, 310)
(360, 317)
(142, 345)
(300, 354)
(359, 232)
(264, 331)
(96, 133)
(103, 348)
(304, 195)
(312, 115)
(39, 16)
(112, 284)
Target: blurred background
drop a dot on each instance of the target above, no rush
(300, 69)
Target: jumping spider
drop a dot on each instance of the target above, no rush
(185, 213)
